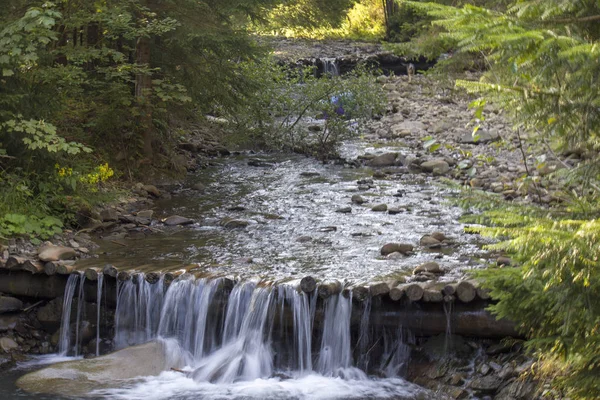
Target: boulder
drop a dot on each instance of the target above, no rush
(437, 166)
(390, 248)
(109, 214)
(79, 377)
(379, 208)
(358, 199)
(483, 136)
(432, 267)
(384, 160)
(145, 214)
(429, 241)
(174, 220)
(56, 253)
(344, 210)
(487, 384)
(10, 304)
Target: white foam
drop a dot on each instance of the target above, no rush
(174, 385)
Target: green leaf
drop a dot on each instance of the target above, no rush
(7, 72)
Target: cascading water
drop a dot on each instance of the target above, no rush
(257, 332)
(98, 306)
(330, 66)
(64, 342)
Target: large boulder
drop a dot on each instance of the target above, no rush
(78, 378)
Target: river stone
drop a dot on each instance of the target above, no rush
(109, 214)
(487, 384)
(384, 160)
(344, 210)
(394, 210)
(174, 220)
(390, 248)
(484, 136)
(430, 241)
(7, 344)
(8, 322)
(145, 214)
(151, 189)
(432, 267)
(10, 304)
(437, 166)
(199, 187)
(358, 199)
(234, 223)
(438, 236)
(77, 378)
(379, 208)
(56, 253)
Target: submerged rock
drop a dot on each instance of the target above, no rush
(174, 220)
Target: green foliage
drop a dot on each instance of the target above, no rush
(550, 293)
(542, 59)
(30, 226)
(276, 112)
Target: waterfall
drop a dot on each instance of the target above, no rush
(253, 331)
(330, 66)
(80, 309)
(65, 323)
(98, 306)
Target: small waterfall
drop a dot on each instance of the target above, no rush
(363, 339)
(98, 305)
(396, 353)
(65, 324)
(80, 310)
(448, 336)
(138, 311)
(330, 66)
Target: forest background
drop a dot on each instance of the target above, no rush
(98, 93)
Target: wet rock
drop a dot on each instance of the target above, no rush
(384, 160)
(236, 208)
(438, 236)
(304, 239)
(328, 229)
(109, 214)
(151, 189)
(402, 248)
(56, 253)
(259, 163)
(437, 166)
(394, 210)
(379, 208)
(441, 346)
(50, 315)
(344, 210)
(483, 136)
(7, 344)
(395, 256)
(431, 267)
(499, 348)
(358, 199)
(517, 390)
(430, 242)
(10, 304)
(310, 174)
(486, 385)
(234, 223)
(145, 214)
(174, 220)
(8, 322)
(199, 187)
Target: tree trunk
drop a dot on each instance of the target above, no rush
(143, 86)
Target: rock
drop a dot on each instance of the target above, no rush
(235, 223)
(259, 163)
(50, 315)
(390, 248)
(436, 166)
(517, 390)
(304, 239)
(384, 160)
(199, 187)
(438, 236)
(309, 174)
(77, 378)
(484, 136)
(358, 199)
(8, 322)
(379, 208)
(344, 210)
(174, 220)
(7, 344)
(432, 267)
(430, 241)
(503, 261)
(56, 253)
(109, 214)
(10, 304)
(487, 384)
(151, 189)
(145, 214)
(394, 210)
